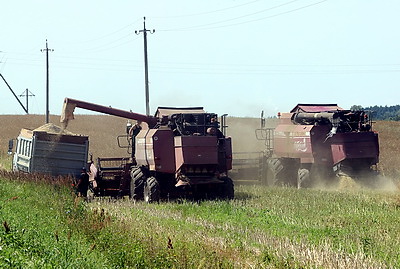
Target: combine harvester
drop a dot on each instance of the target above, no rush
(182, 152)
(317, 144)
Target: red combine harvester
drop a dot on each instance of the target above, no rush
(182, 151)
(316, 143)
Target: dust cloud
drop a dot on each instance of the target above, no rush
(386, 184)
(246, 148)
(346, 183)
(242, 131)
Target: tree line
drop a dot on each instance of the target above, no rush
(381, 112)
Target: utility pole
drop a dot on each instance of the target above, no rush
(146, 73)
(16, 97)
(47, 80)
(27, 94)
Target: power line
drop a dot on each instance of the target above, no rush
(206, 12)
(237, 68)
(120, 62)
(273, 72)
(3, 65)
(107, 46)
(108, 34)
(244, 16)
(204, 26)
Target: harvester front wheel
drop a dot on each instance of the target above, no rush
(151, 190)
(303, 178)
(228, 190)
(137, 184)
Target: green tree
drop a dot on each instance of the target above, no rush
(356, 107)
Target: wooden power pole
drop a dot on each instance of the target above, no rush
(47, 80)
(146, 72)
(27, 94)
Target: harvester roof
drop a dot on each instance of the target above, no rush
(166, 111)
(316, 108)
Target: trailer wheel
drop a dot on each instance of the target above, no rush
(151, 190)
(228, 190)
(137, 184)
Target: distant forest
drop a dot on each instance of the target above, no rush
(382, 112)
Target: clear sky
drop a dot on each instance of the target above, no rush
(230, 56)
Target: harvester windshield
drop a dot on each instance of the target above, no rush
(194, 124)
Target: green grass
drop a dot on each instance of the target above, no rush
(5, 161)
(331, 227)
(38, 234)
(45, 226)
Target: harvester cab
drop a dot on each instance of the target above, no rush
(194, 124)
(182, 151)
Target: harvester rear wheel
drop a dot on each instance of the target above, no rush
(151, 190)
(137, 184)
(228, 190)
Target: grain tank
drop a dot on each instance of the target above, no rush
(181, 151)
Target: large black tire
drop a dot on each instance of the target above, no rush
(137, 184)
(303, 178)
(285, 171)
(228, 189)
(151, 191)
(274, 167)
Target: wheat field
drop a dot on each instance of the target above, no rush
(104, 129)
